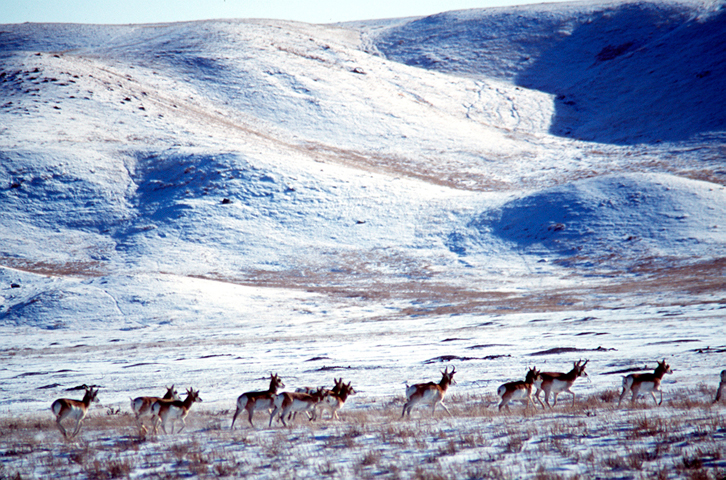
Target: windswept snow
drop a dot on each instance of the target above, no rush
(203, 203)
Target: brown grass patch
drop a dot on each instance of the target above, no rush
(77, 268)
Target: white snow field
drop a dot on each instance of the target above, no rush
(205, 203)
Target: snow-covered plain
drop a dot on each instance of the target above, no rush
(204, 203)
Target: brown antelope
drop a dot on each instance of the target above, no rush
(520, 390)
(642, 383)
(67, 408)
(252, 401)
(557, 382)
(142, 406)
(430, 392)
(334, 399)
(171, 410)
(311, 390)
(721, 386)
(288, 403)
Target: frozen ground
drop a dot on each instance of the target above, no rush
(205, 203)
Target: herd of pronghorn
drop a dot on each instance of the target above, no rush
(285, 405)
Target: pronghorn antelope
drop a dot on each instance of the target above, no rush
(430, 392)
(76, 409)
(171, 410)
(335, 398)
(311, 390)
(642, 383)
(142, 406)
(520, 390)
(292, 402)
(557, 382)
(721, 386)
(252, 401)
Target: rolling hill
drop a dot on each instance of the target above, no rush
(352, 192)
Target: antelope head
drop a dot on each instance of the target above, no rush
(448, 377)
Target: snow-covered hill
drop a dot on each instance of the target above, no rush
(622, 72)
(185, 202)
(612, 219)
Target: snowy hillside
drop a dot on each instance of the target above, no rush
(203, 203)
(621, 72)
